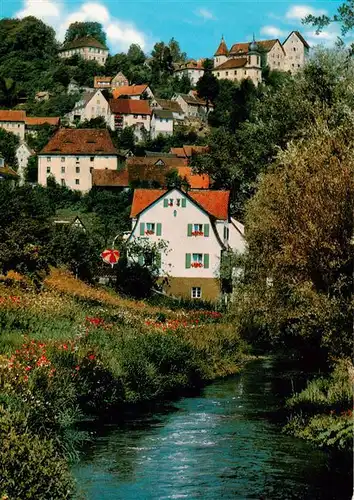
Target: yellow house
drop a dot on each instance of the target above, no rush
(88, 48)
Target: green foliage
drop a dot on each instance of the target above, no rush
(208, 85)
(8, 146)
(41, 136)
(31, 173)
(98, 122)
(85, 29)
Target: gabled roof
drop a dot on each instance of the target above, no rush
(12, 115)
(222, 49)
(41, 120)
(187, 151)
(87, 41)
(88, 95)
(163, 113)
(130, 107)
(152, 160)
(110, 178)
(240, 62)
(8, 172)
(80, 141)
(243, 48)
(299, 35)
(169, 105)
(131, 90)
(24, 143)
(191, 100)
(215, 203)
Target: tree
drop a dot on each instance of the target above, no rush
(31, 173)
(175, 51)
(43, 133)
(98, 122)
(208, 85)
(135, 55)
(243, 99)
(8, 92)
(8, 146)
(85, 29)
(299, 234)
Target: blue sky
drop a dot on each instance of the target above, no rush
(198, 26)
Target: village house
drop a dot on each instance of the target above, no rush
(191, 105)
(188, 151)
(92, 104)
(168, 105)
(131, 113)
(288, 56)
(197, 228)
(110, 82)
(135, 92)
(23, 154)
(72, 154)
(7, 173)
(161, 123)
(13, 121)
(88, 48)
(194, 70)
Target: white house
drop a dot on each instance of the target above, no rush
(191, 105)
(197, 229)
(168, 105)
(88, 48)
(296, 49)
(92, 104)
(161, 123)
(13, 121)
(194, 70)
(23, 153)
(72, 154)
(131, 113)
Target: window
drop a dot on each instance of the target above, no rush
(150, 228)
(198, 227)
(235, 72)
(136, 116)
(161, 120)
(63, 170)
(226, 233)
(77, 159)
(77, 169)
(62, 182)
(196, 292)
(77, 181)
(218, 73)
(197, 258)
(48, 170)
(62, 159)
(92, 158)
(227, 73)
(49, 159)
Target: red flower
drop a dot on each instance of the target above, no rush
(77, 368)
(28, 368)
(92, 357)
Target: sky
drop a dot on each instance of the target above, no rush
(197, 25)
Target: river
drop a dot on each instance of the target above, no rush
(220, 444)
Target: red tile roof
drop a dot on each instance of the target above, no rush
(132, 90)
(110, 178)
(97, 80)
(41, 120)
(12, 116)
(80, 141)
(222, 49)
(196, 181)
(232, 64)
(187, 151)
(216, 203)
(130, 107)
(243, 48)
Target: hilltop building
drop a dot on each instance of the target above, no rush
(88, 48)
(245, 60)
(193, 69)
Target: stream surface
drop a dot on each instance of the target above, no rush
(221, 444)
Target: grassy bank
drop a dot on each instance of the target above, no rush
(71, 351)
(323, 412)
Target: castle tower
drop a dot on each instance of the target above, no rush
(254, 56)
(222, 53)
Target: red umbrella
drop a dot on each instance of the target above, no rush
(110, 256)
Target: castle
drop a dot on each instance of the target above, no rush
(245, 60)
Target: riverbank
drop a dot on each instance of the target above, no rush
(73, 351)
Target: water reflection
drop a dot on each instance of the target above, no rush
(220, 444)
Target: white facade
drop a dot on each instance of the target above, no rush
(87, 53)
(161, 125)
(73, 171)
(92, 105)
(194, 74)
(296, 53)
(16, 128)
(23, 153)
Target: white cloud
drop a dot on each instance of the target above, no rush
(120, 34)
(272, 31)
(299, 12)
(205, 14)
(327, 37)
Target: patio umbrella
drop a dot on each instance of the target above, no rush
(110, 256)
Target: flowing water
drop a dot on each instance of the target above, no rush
(221, 444)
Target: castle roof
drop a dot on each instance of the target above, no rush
(243, 48)
(87, 41)
(240, 62)
(222, 49)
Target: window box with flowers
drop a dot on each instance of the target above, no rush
(197, 260)
(150, 228)
(198, 230)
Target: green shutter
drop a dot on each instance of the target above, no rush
(158, 229)
(184, 203)
(188, 260)
(158, 260)
(206, 230)
(142, 228)
(141, 260)
(206, 261)
(190, 227)
(165, 202)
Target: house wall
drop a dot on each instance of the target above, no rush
(53, 165)
(17, 128)
(97, 106)
(174, 222)
(276, 57)
(162, 126)
(88, 53)
(182, 287)
(193, 74)
(219, 60)
(22, 156)
(253, 73)
(295, 54)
